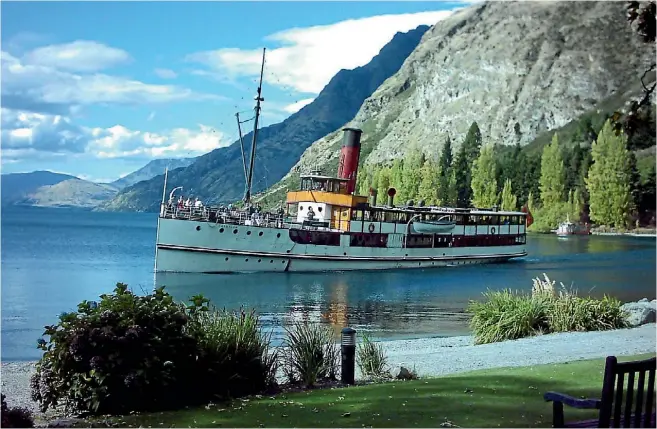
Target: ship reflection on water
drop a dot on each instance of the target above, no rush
(372, 302)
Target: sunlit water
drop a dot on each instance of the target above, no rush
(53, 259)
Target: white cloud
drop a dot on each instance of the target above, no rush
(295, 107)
(31, 135)
(45, 89)
(311, 56)
(166, 73)
(77, 56)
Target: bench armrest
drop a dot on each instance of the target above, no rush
(572, 401)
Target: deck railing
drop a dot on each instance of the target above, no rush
(237, 217)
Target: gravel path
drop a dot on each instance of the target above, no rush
(441, 356)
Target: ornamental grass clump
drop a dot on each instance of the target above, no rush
(506, 315)
(310, 355)
(235, 358)
(372, 360)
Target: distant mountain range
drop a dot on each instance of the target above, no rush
(48, 189)
(218, 176)
(150, 170)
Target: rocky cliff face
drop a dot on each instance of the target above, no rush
(517, 69)
(218, 176)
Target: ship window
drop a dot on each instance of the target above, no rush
(300, 208)
(221, 230)
(260, 233)
(234, 231)
(248, 232)
(319, 209)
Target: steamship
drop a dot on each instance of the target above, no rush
(326, 226)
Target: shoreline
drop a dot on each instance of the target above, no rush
(436, 356)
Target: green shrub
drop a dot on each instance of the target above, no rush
(506, 315)
(310, 354)
(15, 417)
(372, 361)
(131, 353)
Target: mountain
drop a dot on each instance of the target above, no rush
(47, 189)
(16, 185)
(69, 193)
(218, 176)
(518, 70)
(150, 170)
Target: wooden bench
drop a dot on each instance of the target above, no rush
(615, 394)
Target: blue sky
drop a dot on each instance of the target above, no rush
(99, 89)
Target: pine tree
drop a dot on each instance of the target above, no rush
(428, 187)
(463, 165)
(452, 191)
(383, 184)
(364, 181)
(396, 179)
(412, 174)
(552, 175)
(484, 182)
(531, 203)
(608, 181)
(445, 172)
(509, 200)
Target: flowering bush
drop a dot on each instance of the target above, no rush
(15, 417)
(133, 353)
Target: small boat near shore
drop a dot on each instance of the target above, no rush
(569, 228)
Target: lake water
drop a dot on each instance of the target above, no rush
(54, 258)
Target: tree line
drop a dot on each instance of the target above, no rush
(592, 178)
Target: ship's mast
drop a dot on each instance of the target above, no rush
(239, 130)
(247, 194)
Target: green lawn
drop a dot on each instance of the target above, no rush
(509, 397)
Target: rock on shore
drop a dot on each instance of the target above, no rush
(641, 312)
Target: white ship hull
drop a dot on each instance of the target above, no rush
(207, 247)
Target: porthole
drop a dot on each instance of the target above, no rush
(278, 235)
(198, 227)
(271, 261)
(259, 260)
(319, 209)
(282, 262)
(246, 260)
(260, 234)
(300, 208)
(248, 232)
(234, 231)
(287, 251)
(226, 258)
(221, 230)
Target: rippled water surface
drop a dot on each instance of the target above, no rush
(53, 259)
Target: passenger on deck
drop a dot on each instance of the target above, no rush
(180, 202)
(188, 203)
(197, 203)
